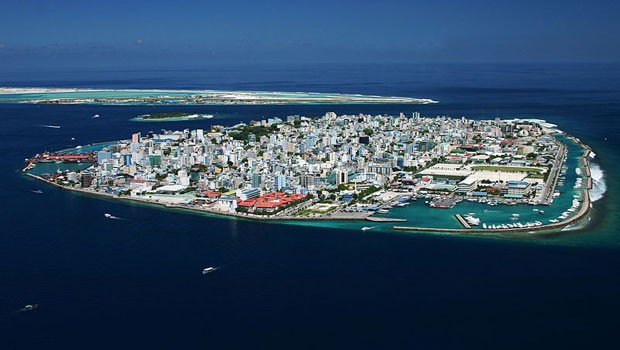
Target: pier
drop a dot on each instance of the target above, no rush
(374, 219)
(459, 217)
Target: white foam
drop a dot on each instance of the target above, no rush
(599, 186)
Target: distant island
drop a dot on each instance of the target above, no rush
(442, 174)
(171, 116)
(190, 97)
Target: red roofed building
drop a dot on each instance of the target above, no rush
(212, 194)
(270, 202)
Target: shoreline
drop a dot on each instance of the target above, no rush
(535, 231)
(196, 209)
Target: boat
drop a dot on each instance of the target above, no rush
(383, 211)
(31, 307)
(472, 220)
(51, 126)
(209, 269)
(96, 116)
(36, 191)
(366, 228)
(541, 212)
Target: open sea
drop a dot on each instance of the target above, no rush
(136, 282)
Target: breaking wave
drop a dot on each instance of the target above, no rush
(599, 187)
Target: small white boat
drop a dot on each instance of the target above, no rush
(109, 216)
(36, 191)
(209, 269)
(96, 116)
(31, 307)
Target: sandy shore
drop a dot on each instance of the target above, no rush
(236, 95)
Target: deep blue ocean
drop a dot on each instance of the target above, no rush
(137, 282)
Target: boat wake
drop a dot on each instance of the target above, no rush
(599, 186)
(36, 191)
(51, 126)
(22, 310)
(574, 226)
(366, 228)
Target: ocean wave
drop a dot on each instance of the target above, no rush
(599, 186)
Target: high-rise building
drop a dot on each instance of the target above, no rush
(257, 180)
(279, 182)
(342, 176)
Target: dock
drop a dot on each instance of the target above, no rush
(373, 219)
(462, 221)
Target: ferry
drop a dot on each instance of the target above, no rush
(209, 269)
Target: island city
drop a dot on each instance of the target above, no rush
(343, 167)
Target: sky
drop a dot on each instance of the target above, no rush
(38, 33)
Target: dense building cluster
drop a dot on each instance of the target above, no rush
(331, 158)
